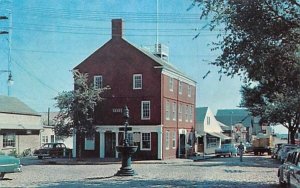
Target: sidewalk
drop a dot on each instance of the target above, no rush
(107, 161)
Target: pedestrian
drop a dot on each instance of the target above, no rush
(241, 151)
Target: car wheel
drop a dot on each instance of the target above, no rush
(40, 157)
(230, 154)
(2, 175)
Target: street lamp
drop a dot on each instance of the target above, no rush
(10, 80)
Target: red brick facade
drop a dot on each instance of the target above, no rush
(117, 62)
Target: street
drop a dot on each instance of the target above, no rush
(255, 171)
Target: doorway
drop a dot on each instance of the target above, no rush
(182, 143)
(110, 144)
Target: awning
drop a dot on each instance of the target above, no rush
(219, 135)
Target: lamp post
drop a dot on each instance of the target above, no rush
(126, 150)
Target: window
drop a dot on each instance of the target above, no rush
(167, 139)
(9, 140)
(180, 87)
(211, 142)
(170, 84)
(137, 81)
(89, 143)
(208, 120)
(98, 82)
(189, 91)
(167, 110)
(146, 141)
(186, 113)
(180, 112)
(191, 114)
(52, 138)
(174, 111)
(174, 140)
(145, 110)
(44, 139)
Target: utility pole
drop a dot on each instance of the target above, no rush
(9, 32)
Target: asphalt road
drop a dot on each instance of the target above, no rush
(254, 171)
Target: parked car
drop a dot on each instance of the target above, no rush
(226, 150)
(282, 153)
(249, 147)
(52, 150)
(289, 171)
(9, 164)
(276, 150)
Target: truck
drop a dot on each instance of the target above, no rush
(262, 143)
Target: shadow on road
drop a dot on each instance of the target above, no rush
(137, 182)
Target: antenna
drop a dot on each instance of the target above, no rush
(156, 47)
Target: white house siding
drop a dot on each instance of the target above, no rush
(18, 119)
(209, 125)
(17, 122)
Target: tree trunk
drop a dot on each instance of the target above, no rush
(292, 136)
(79, 146)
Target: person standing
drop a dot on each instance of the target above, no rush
(241, 151)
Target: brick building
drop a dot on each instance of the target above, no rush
(160, 98)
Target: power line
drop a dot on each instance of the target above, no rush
(33, 76)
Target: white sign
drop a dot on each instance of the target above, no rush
(117, 110)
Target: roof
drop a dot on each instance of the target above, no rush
(166, 65)
(200, 114)
(15, 106)
(233, 116)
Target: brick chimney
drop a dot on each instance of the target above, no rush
(116, 28)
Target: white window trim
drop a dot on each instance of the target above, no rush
(191, 114)
(186, 115)
(141, 146)
(101, 81)
(180, 87)
(174, 110)
(142, 114)
(168, 110)
(180, 112)
(171, 84)
(174, 140)
(189, 90)
(167, 140)
(133, 79)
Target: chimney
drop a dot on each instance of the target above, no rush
(116, 28)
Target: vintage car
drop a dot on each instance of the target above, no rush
(276, 150)
(9, 164)
(282, 153)
(226, 150)
(52, 150)
(289, 171)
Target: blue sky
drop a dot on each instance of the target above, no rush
(49, 38)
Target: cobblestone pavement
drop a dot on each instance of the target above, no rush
(216, 172)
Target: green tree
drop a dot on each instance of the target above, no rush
(76, 109)
(260, 42)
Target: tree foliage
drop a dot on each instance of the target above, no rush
(76, 108)
(260, 43)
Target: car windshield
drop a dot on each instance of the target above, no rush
(225, 146)
(47, 146)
